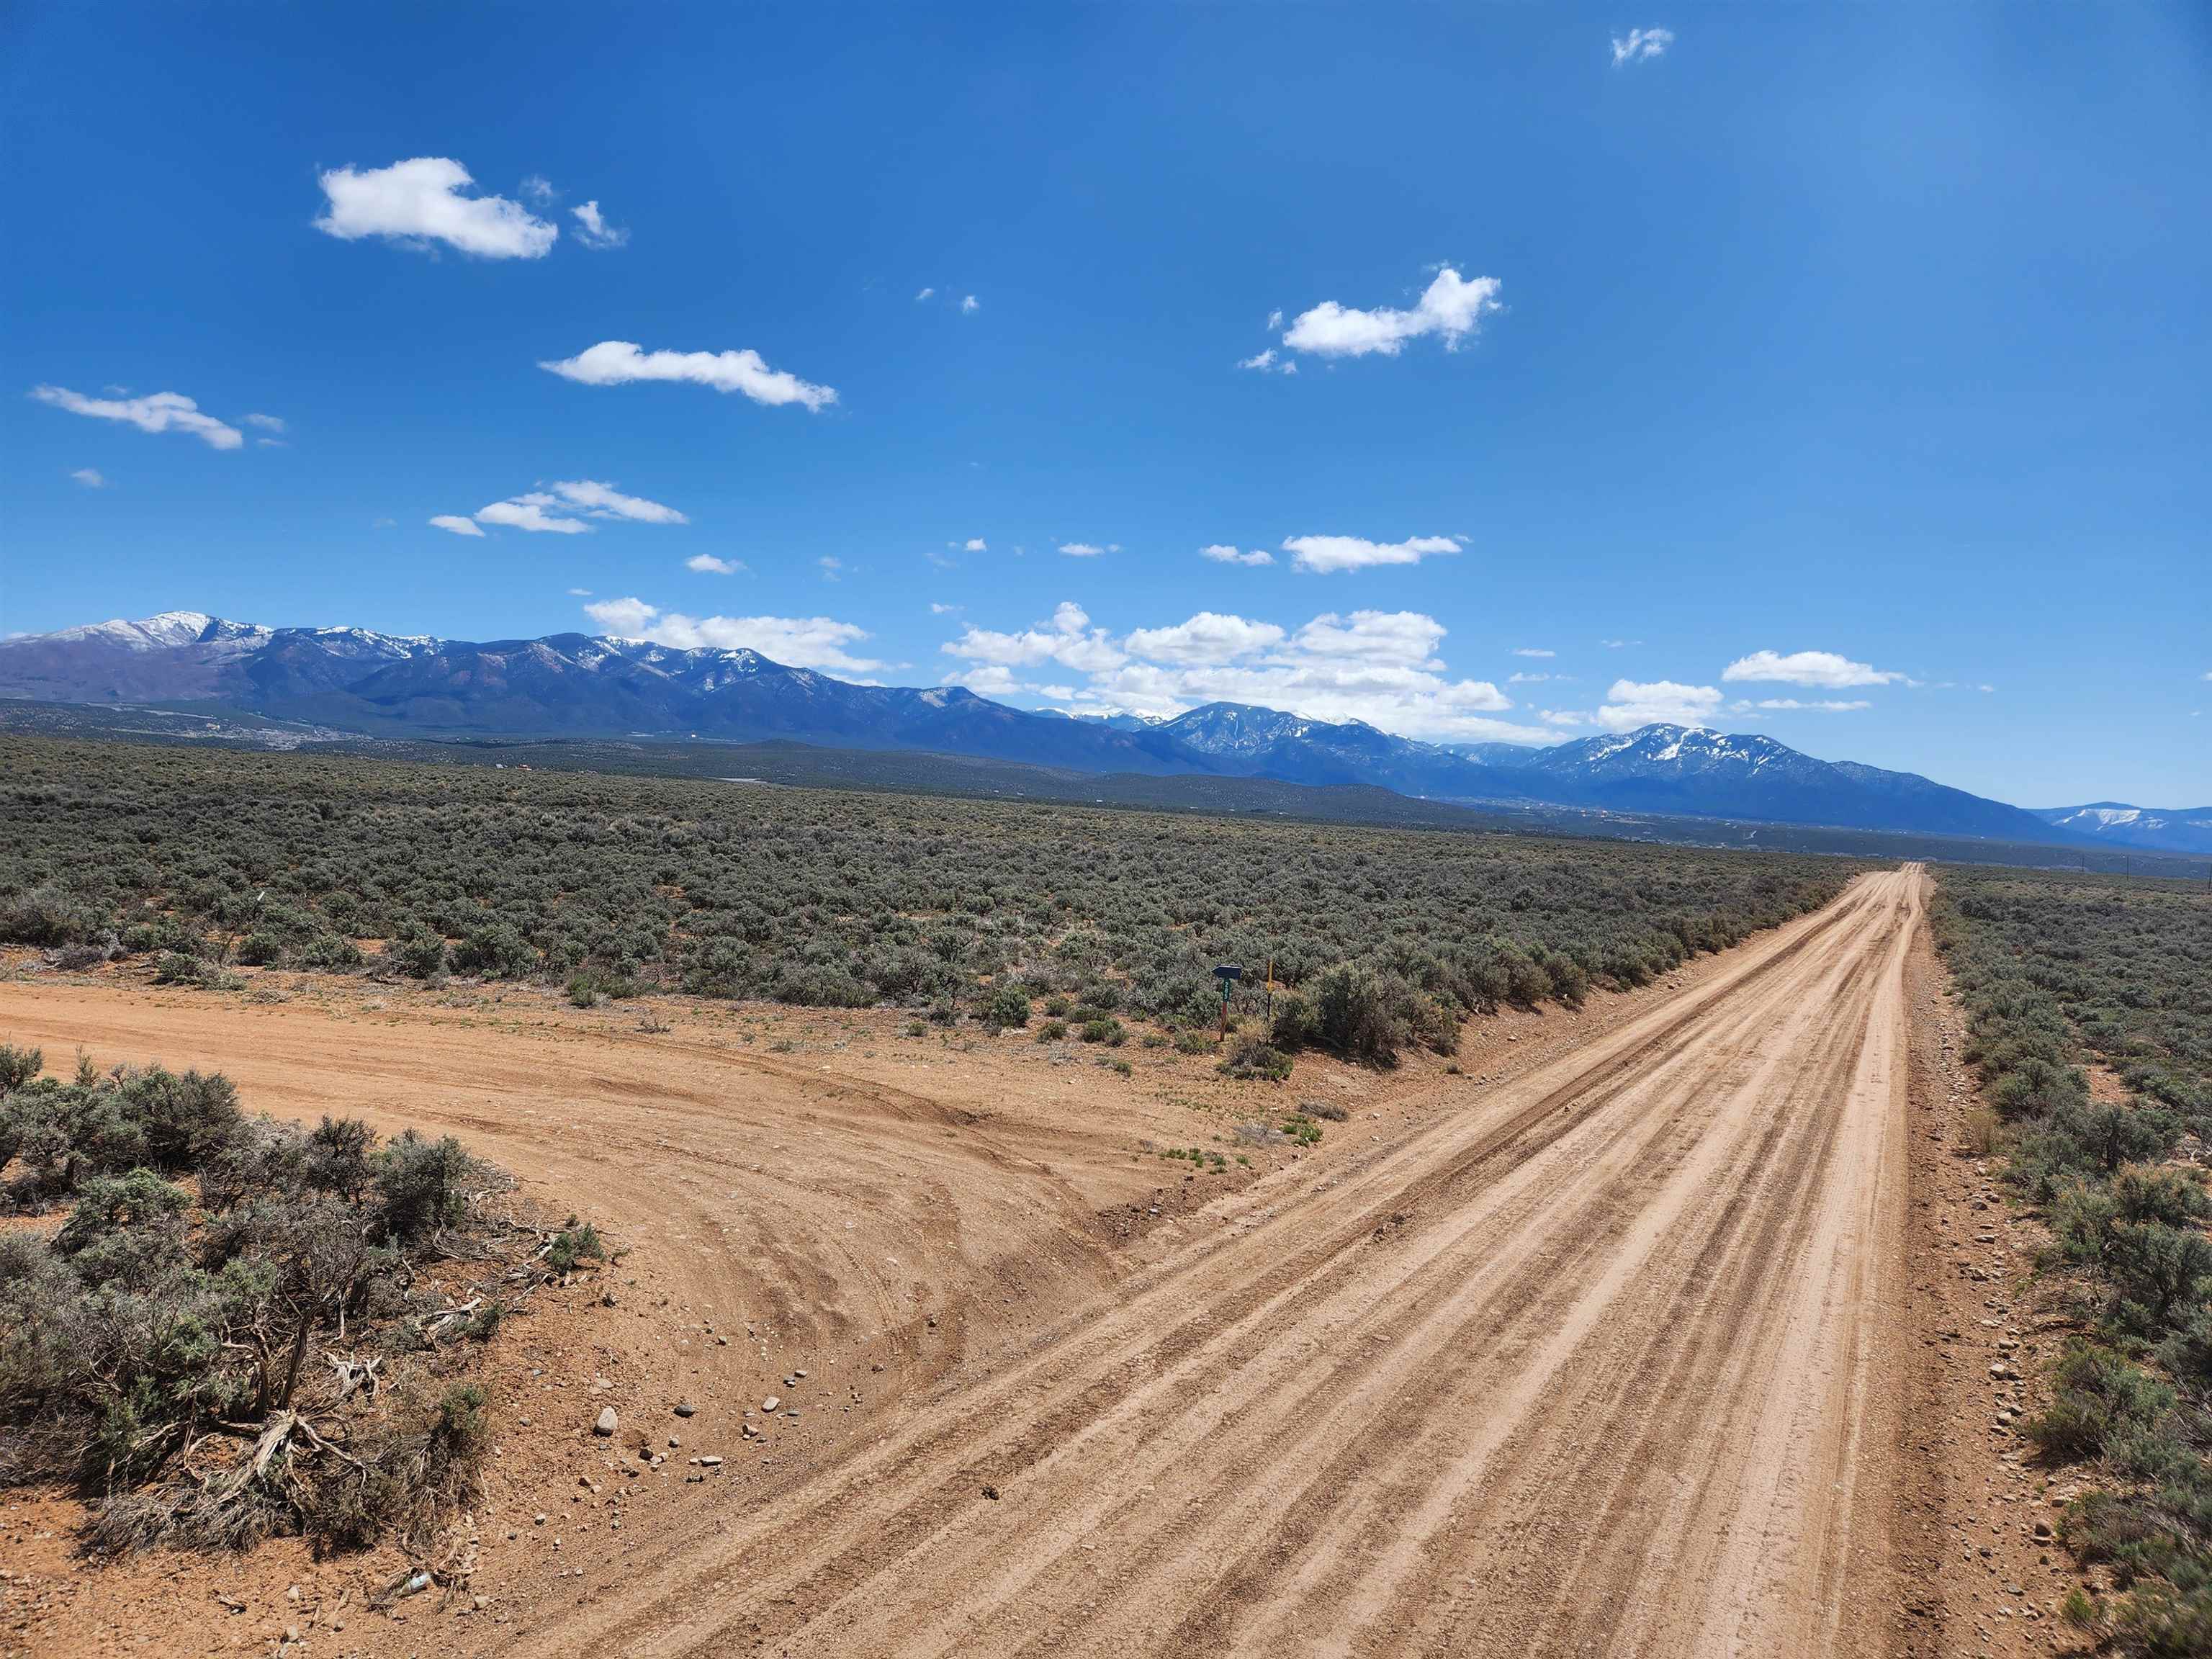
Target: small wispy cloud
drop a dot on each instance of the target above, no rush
(974, 544)
(90, 478)
(1084, 550)
(1267, 362)
(830, 566)
(1641, 45)
(266, 422)
(926, 294)
(159, 411)
(457, 525)
(969, 305)
(592, 229)
(707, 565)
(618, 362)
(1533, 651)
(1223, 553)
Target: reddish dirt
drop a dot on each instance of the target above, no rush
(1615, 1343)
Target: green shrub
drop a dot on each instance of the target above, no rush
(18, 1065)
(1006, 1007)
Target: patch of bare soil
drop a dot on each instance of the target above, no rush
(1604, 1346)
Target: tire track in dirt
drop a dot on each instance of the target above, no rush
(1593, 1365)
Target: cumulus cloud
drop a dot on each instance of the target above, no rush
(1632, 703)
(1641, 45)
(1206, 637)
(161, 411)
(457, 524)
(536, 511)
(616, 362)
(797, 642)
(419, 202)
(1323, 553)
(707, 565)
(592, 229)
(974, 544)
(557, 511)
(604, 501)
(1378, 666)
(1223, 553)
(1450, 307)
(1083, 549)
(1825, 669)
(90, 478)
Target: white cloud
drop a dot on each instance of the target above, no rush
(970, 306)
(1992, 688)
(90, 478)
(1327, 553)
(1451, 308)
(830, 566)
(1632, 703)
(592, 229)
(1830, 705)
(580, 592)
(1640, 46)
(1532, 651)
(1206, 637)
(924, 295)
(974, 544)
(797, 642)
(1521, 679)
(615, 362)
(266, 422)
(539, 189)
(1082, 550)
(937, 608)
(457, 524)
(1616, 645)
(707, 565)
(1275, 319)
(1378, 666)
(420, 200)
(531, 512)
(604, 502)
(1825, 669)
(161, 411)
(1222, 553)
(1266, 363)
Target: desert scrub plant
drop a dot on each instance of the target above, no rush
(575, 1243)
(1254, 1058)
(231, 1333)
(2055, 972)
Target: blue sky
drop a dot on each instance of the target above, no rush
(1840, 373)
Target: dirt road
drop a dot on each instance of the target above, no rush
(1605, 1358)
(1596, 1367)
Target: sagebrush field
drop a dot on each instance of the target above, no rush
(837, 899)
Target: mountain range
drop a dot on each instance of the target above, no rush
(581, 685)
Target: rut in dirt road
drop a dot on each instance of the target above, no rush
(1599, 1364)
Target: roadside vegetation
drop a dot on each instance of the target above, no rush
(1380, 939)
(2059, 974)
(241, 1328)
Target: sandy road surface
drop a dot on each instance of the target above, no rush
(1610, 1358)
(1598, 1365)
